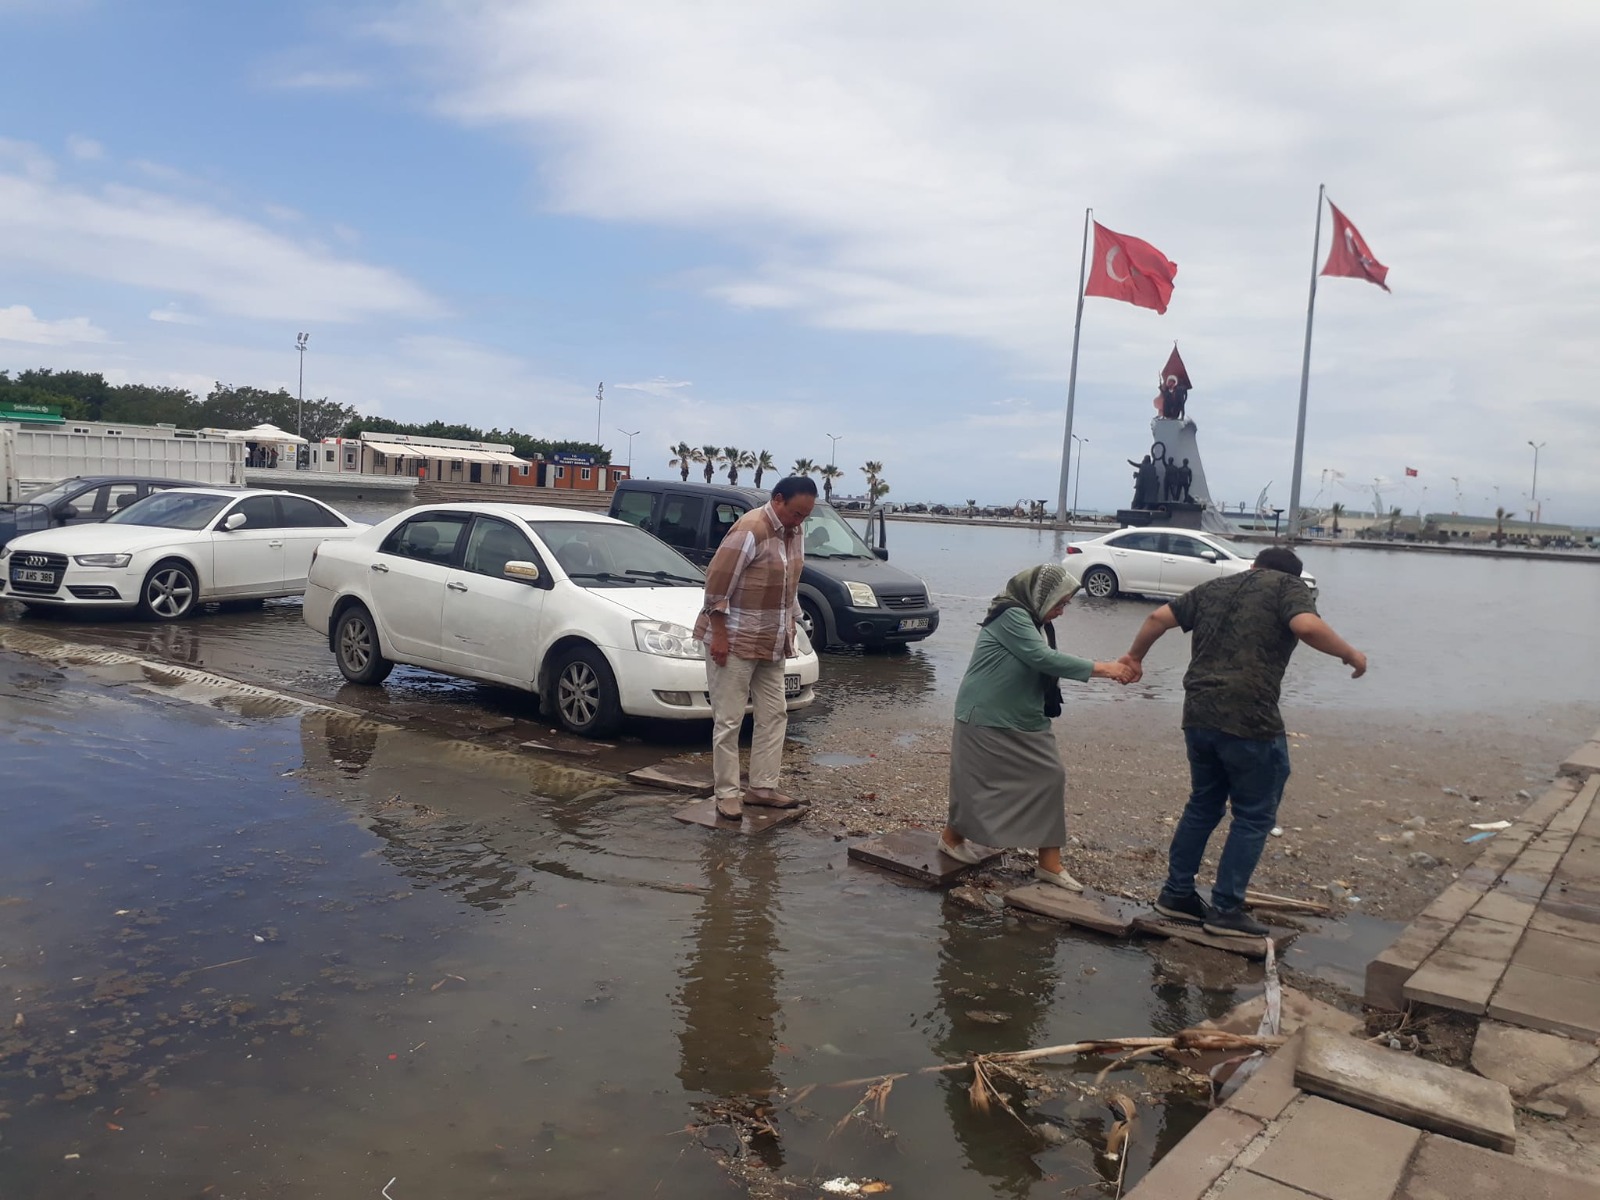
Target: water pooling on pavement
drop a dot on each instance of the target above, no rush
(302, 955)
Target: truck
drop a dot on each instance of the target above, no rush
(35, 455)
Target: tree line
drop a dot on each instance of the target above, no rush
(711, 459)
(88, 396)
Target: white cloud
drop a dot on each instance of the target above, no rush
(917, 169)
(173, 315)
(659, 386)
(85, 149)
(327, 80)
(18, 324)
(164, 242)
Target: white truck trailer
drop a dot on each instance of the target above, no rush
(33, 456)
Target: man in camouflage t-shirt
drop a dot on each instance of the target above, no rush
(1244, 629)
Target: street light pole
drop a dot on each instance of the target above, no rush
(1077, 472)
(1538, 509)
(300, 340)
(629, 433)
(599, 403)
(835, 439)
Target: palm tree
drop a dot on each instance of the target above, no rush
(682, 457)
(829, 474)
(1394, 519)
(877, 490)
(763, 463)
(1500, 516)
(804, 466)
(972, 507)
(1338, 511)
(711, 456)
(733, 459)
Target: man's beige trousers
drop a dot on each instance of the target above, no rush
(742, 681)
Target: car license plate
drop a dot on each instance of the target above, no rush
(791, 686)
(910, 623)
(23, 575)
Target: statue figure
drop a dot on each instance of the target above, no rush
(1171, 479)
(1185, 478)
(1146, 484)
(1174, 384)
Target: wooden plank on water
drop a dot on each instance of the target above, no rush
(1190, 931)
(693, 777)
(916, 853)
(755, 820)
(1088, 909)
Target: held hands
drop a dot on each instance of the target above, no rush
(1135, 665)
(1119, 671)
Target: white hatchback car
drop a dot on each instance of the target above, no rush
(1156, 562)
(175, 550)
(591, 614)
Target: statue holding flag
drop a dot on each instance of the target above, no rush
(1173, 387)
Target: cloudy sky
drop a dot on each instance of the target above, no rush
(760, 224)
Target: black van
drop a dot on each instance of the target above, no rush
(848, 593)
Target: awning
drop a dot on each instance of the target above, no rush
(445, 453)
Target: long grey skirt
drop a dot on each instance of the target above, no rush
(1007, 788)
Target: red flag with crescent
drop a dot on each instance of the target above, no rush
(1350, 255)
(1124, 268)
(1175, 374)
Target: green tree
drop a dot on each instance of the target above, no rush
(1394, 519)
(872, 470)
(876, 490)
(763, 464)
(804, 466)
(1500, 516)
(711, 456)
(682, 458)
(829, 474)
(1338, 511)
(733, 459)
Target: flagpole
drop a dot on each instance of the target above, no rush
(1072, 374)
(1305, 376)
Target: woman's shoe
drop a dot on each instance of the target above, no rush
(968, 852)
(1059, 878)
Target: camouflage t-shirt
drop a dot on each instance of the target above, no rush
(1240, 649)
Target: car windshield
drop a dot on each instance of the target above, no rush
(605, 554)
(172, 510)
(827, 536)
(58, 491)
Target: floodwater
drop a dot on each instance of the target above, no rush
(300, 954)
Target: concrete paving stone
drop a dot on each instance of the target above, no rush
(1581, 864)
(693, 778)
(1271, 1089)
(754, 821)
(1554, 1003)
(1455, 981)
(1453, 903)
(1508, 910)
(1482, 938)
(1525, 1060)
(1497, 853)
(1558, 955)
(1546, 921)
(1523, 884)
(1536, 864)
(1247, 1185)
(1411, 1090)
(1553, 838)
(1551, 801)
(1480, 876)
(1199, 1160)
(1583, 761)
(1337, 1152)
(1443, 1169)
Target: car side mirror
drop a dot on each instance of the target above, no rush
(881, 552)
(1210, 555)
(234, 521)
(526, 572)
(67, 512)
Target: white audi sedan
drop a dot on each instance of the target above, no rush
(175, 550)
(1157, 562)
(591, 614)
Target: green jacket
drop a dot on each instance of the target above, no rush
(1005, 681)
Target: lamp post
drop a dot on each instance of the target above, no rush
(1533, 496)
(834, 439)
(1456, 511)
(599, 403)
(1077, 472)
(629, 434)
(300, 340)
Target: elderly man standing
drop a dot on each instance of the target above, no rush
(1245, 628)
(748, 626)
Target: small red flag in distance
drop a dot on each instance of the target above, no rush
(1350, 255)
(1124, 268)
(1411, 471)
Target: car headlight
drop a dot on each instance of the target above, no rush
(861, 594)
(5, 553)
(102, 560)
(667, 639)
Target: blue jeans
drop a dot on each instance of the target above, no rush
(1249, 772)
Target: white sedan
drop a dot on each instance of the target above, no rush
(173, 551)
(1156, 562)
(591, 614)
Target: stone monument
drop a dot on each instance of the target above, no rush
(1170, 482)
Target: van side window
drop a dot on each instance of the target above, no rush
(634, 508)
(723, 515)
(680, 520)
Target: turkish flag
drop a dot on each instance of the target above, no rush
(1127, 269)
(1410, 471)
(1174, 374)
(1350, 255)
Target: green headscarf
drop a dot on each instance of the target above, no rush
(1037, 590)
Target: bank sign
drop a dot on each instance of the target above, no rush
(567, 458)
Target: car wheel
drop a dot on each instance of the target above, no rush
(170, 591)
(1100, 583)
(585, 692)
(355, 646)
(815, 625)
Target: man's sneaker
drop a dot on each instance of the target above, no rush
(1182, 908)
(1234, 923)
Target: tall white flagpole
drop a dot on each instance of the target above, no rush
(1072, 375)
(1305, 376)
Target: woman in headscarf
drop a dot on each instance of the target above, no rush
(1007, 783)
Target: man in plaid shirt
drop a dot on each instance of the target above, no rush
(748, 627)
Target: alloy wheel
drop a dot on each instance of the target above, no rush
(170, 592)
(578, 693)
(355, 643)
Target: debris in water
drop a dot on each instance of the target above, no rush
(1491, 825)
(1479, 837)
